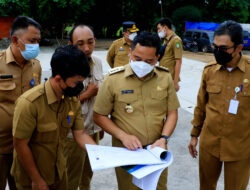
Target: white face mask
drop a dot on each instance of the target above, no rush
(162, 33)
(132, 36)
(141, 68)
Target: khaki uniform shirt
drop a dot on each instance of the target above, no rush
(14, 81)
(172, 52)
(96, 76)
(41, 118)
(225, 135)
(118, 53)
(137, 107)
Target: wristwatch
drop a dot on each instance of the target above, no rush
(165, 137)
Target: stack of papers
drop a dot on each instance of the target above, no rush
(146, 165)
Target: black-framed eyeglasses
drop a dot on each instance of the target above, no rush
(221, 48)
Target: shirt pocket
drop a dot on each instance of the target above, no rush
(127, 103)
(215, 100)
(244, 97)
(8, 92)
(158, 103)
(67, 124)
(46, 132)
(213, 89)
(7, 84)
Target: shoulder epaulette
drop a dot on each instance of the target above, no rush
(162, 68)
(211, 63)
(34, 93)
(116, 70)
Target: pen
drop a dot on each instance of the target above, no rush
(68, 119)
(241, 87)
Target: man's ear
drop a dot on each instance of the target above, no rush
(58, 78)
(130, 53)
(239, 48)
(14, 39)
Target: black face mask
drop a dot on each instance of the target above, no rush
(222, 57)
(69, 91)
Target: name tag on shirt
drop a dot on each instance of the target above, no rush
(233, 106)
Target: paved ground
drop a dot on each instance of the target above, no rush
(183, 173)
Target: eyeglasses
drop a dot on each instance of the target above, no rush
(221, 48)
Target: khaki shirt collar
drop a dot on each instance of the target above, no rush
(241, 65)
(91, 63)
(9, 56)
(168, 37)
(124, 41)
(50, 94)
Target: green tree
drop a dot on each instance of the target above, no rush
(186, 13)
(50, 13)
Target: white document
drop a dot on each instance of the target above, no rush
(146, 165)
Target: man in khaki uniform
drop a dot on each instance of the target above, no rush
(19, 71)
(78, 166)
(42, 119)
(171, 51)
(138, 104)
(221, 117)
(119, 49)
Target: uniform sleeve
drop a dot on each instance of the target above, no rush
(105, 98)
(24, 120)
(200, 109)
(177, 48)
(111, 55)
(79, 122)
(173, 102)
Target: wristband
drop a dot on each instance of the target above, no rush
(165, 137)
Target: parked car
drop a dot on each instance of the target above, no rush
(203, 38)
(246, 40)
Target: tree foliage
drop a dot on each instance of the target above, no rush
(107, 16)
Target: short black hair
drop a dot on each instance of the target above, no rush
(231, 28)
(68, 61)
(165, 22)
(76, 26)
(148, 39)
(23, 22)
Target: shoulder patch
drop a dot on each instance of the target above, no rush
(177, 44)
(116, 70)
(162, 68)
(210, 64)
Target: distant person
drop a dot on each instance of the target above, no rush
(142, 102)
(221, 116)
(119, 49)
(19, 71)
(78, 166)
(171, 51)
(42, 119)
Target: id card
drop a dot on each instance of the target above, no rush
(233, 106)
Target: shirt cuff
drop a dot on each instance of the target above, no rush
(196, 131)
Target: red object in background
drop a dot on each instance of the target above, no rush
(5, 25)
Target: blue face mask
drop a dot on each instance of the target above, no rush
(31, 51)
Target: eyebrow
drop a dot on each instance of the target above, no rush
(141, 58)
(83, 40)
